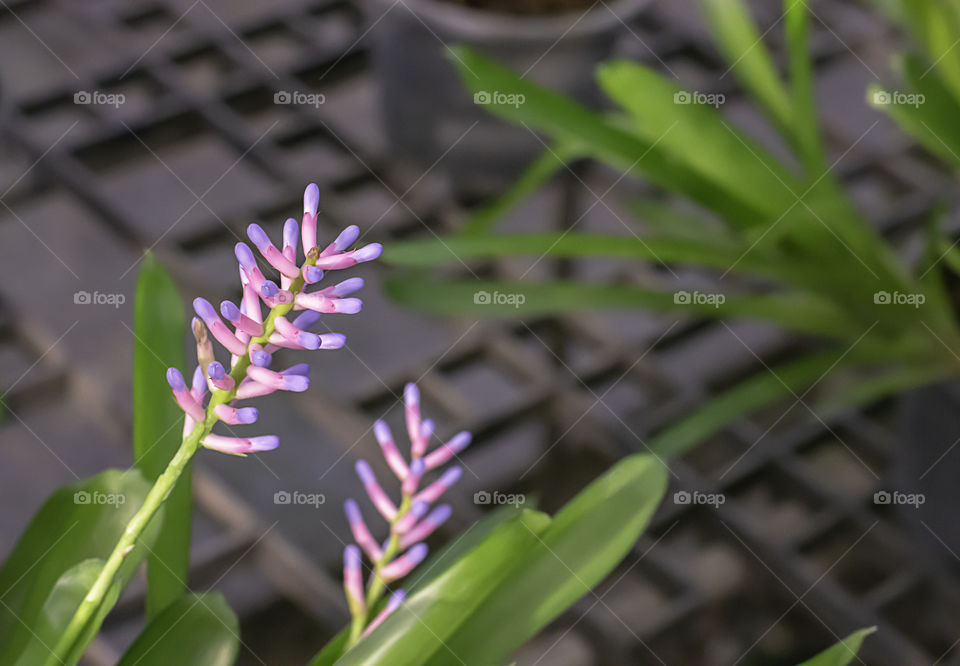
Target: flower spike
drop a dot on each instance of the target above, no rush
(251, 337)
(411, 521)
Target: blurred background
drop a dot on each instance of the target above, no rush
(170, 125)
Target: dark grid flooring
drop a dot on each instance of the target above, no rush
(797, 556)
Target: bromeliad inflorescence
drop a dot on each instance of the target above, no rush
(409, 521)
(253, 338)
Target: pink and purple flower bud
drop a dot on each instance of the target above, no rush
(270, 252)
(353, 578)
(432, 492)
(361, 534)
(444, 453)
(412, 480)
(393, 604)
(219, 377)
(236, 416)
(278, 380)
(240, 446)
(417, 511)
(183, 396)
(311, 202)
(390, 451)
(242, 322)
(375, 491)
(217, 328)
(411, 411)
(404, 564)
(427, 526)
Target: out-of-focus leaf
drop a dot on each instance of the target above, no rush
(600, 137)
(697, 136)
(585, 541)
(78, 522)
(194, 629)
(843, 652)
(482, 299)
(540, 170)
(158, 425)
(742, 45)
(936, 25)
(417, 632)
(805, 126)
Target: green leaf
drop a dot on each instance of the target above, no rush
(742, 46)
(78, 522)
(806, 130)
(540, 170)
(528, 571)
(59, 608)
(526, 300)
(697, 136)
(600, 137)
(417, 632)
(843, 652)
(158, 425)
(194, 629)
(585, 541)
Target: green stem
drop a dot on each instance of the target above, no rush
(163, 487)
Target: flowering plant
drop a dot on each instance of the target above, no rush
(479, 599)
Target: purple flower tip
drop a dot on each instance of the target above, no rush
(311, 199)
(264, 443)
(204, 310)
(346, 238)
(411, 394)
(417, 467)
(440, 515)
(333, 340)
(308, 340)
(247, 415)
(296, 383)
(364, 472)
(216, 370)
(261, 358)
(291, 231)
(351, 557)
(229, 311)
(312, 274)
(269, 289)
(348, 286)
(418, 509)
(298, 369)
(353, 512)
(306, 319)
(451, 476)
(175, 379)
(460, 441)
(426, 428)
(417, 553)
(368, 252)
(348, 305)
(245, 256)
(396, 599)
(258, 236)
(381, 431)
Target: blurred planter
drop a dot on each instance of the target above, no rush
(928, 462)
(427, 109)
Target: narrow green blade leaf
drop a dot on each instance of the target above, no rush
(78, 522)
(194, 629)
(806, 129)
(158, 425)
(843, 652)
(483, 299)
(742, 45)
(585, 541)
